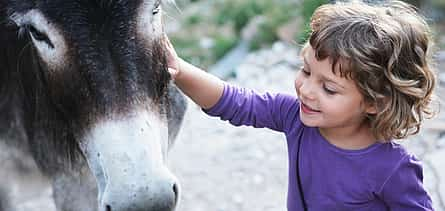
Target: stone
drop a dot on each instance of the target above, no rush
(288, 32)
(252, 28)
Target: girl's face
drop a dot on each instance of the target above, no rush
(328, 101)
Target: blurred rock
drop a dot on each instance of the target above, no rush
(252, 28)
(258, 179)
(237, 198)
(206, 42)
(440, 56)
(289, 31)
(440, 60)
(442, 77)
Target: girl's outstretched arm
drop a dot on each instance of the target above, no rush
(203, 88)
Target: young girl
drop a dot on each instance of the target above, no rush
(366, 81)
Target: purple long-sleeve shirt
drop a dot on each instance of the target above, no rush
(383, 176)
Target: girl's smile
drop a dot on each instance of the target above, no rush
(307, 109)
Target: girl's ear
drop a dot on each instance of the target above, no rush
(371, 108)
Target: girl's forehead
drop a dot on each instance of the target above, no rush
(339, 66)
(304, 48)
(323, 69)
(308, 56)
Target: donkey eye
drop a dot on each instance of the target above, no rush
(39, 36)
(157, 7)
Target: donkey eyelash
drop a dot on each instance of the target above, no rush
(157, 7)
(38, 35)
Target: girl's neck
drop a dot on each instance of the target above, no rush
(350, 138)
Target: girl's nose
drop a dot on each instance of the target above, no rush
(306, 90)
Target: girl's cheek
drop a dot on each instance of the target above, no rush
(298, 79)
(297, 83)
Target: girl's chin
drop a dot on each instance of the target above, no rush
(308, 123)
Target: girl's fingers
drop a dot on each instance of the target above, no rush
(173, 73)
(171, 53)
(172, 60)
(168, 43)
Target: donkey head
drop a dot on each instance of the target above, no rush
(94, 86)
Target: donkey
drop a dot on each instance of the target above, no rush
(86, 98)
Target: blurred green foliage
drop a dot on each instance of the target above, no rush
(307, 9)
(190, 50)
(222, 45)
(220, 22)
(193, 19)
(275, 17)
(240, 12)
(197, 51)
(440, 4)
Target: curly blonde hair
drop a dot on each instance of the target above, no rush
(385, 49)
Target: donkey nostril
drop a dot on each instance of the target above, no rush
(107, 208)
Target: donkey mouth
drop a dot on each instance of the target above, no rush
(127, 158)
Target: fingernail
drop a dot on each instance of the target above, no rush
(172, 71)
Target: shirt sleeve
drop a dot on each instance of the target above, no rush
(241, 106)
(404, 189)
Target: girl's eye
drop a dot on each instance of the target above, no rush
(329, 91)
(305, 72)
(157, 7)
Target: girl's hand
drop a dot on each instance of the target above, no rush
(173, 59)
(202, 87)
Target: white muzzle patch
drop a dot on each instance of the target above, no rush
(127, 151)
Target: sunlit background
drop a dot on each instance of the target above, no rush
(203, 31)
